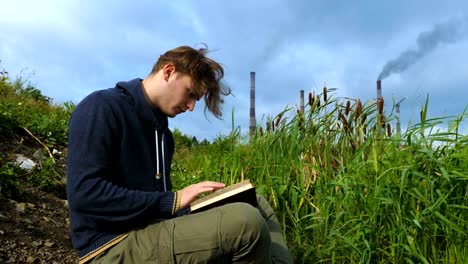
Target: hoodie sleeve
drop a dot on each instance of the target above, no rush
(94, 197)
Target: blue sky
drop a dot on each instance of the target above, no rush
(68, 49)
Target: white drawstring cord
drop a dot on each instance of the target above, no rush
(158, 174)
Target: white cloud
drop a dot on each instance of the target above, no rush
(74, 47)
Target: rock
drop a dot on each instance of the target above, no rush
(46, 206)
(32, 260)
(36, 244)
(49, 244)
(38, 234)
(20, 207)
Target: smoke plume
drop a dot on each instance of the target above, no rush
(446, 33)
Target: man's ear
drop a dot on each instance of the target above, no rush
(168, 70)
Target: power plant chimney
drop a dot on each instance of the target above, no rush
(253, 122)
(379, 89)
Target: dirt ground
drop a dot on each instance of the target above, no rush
(34, 225)
(35, 229)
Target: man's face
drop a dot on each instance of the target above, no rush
(179, 95)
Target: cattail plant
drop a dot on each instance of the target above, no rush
(358, 108)
(380, 105)
(345, 195)
(389, 130)
(325, 98)
(382, 120)
(278, 119)
(343, 121)
(311, 99)
(348, 107)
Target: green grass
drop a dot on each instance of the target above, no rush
(346, 190)
(24, 107)
(27, 115)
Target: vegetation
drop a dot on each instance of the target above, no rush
(346, 187)
(24, 111)
(23, 106)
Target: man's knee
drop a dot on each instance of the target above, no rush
(245, 222)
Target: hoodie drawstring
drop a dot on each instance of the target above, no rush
(158, 174)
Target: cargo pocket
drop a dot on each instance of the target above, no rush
(164, 247)
(197, 237)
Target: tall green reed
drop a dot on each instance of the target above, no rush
(348, 190)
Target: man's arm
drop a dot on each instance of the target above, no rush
(93, 139)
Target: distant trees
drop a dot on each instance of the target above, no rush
(183, 140)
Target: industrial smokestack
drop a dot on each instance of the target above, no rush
(302, 101)
(379, 89)
(253, 122)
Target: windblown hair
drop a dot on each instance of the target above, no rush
(206, 74)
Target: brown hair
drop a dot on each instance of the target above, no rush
(206, 74)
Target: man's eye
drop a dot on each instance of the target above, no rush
(191, 94)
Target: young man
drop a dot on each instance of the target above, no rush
(122, 207)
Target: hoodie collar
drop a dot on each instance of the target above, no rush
(143, 108)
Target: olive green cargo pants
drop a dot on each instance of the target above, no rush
(233, 233)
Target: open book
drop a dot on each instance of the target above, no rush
(243, 191)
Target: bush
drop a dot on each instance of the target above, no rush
(45, 176)
(27, 108)
(9, 183)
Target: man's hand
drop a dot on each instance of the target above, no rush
(190, 193)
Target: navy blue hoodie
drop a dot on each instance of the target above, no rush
(113, 184)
